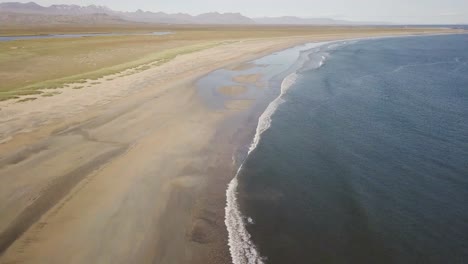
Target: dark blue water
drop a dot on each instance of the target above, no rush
(366, 161)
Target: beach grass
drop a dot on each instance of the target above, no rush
(57, 74)
(29, 66)
(27, 99)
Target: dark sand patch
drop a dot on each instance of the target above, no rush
(26, 99)
(249, 78)
(232, 90)
(242, 67)
(49, 94)
(238, 104)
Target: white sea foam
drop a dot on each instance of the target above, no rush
(322, 61)
(264, 122)
(241, 247)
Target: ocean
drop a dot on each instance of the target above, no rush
(360, 155)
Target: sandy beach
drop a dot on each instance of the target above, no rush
(132, 168)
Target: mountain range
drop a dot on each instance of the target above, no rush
(32, 13)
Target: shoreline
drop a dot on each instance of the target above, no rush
(101, 129)
(243, 250)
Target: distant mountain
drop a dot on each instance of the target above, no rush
(138, 16)
(30, 7)
(33, 8)
(180, 18)
(80, 10)
(292, 20)
(30, 14)
(226, 18)
(159, 17)
(60, 11)
(34, 19)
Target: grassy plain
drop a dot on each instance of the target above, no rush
(29, 66)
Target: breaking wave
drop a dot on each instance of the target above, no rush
(241, 247)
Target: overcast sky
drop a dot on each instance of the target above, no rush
(400, 11)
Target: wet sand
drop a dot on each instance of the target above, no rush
(249, 78)
(132, 170)
(232, 90)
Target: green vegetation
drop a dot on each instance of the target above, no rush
(35, 65)
(29, 66)
(26, 99)
(49, 94)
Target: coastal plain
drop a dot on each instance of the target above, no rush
(107, 152)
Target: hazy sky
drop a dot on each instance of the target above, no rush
(401, 11)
